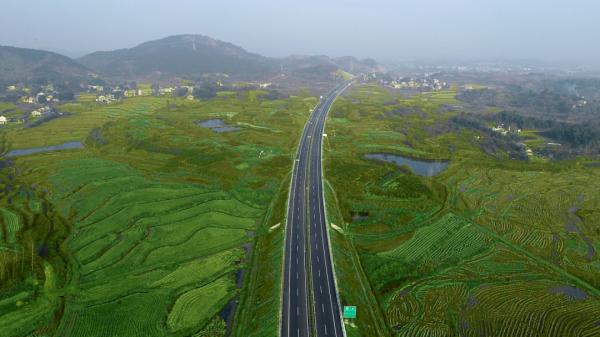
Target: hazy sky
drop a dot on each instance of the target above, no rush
(383, 29)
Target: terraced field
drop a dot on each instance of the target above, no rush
(126, 248)
(11, 226)
(161, 215)
(489, 247)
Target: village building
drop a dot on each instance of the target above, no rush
(130, 93)
(166, 91)
(105, 99)
(41, 111)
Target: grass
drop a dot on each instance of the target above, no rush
(86, 97)
(476, 250)
(259, 309)
(9, 110)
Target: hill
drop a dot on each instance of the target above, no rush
(38, 66)
(305, 65)
(179, 56)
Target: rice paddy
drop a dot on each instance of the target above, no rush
(157, 214)
(488, 247)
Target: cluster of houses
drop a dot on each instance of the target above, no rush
(106, 99)
(424, 83)
(39, 98)
(46, 94)
(42, 111)
(580, 103)
(39, 112)
(114, 94)
(105, 94)
(365, 78)
(504, 130)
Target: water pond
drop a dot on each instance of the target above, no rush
(426, 168)
(217, 125)
(33, 150)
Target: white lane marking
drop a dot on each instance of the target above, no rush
(319, 272)
(297, 311)
(296, 275)
(325, 329)
(329, 290)
(320, 289)
(323, 229)
(322, 307)
(296, 292)
(317, 259)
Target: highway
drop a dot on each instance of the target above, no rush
(310, 305)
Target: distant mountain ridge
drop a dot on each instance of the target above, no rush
(171, 58)
(319, 63)
(32, 65)
(193, 55)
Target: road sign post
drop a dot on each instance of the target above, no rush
(349, 311)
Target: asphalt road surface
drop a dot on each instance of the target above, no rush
(310, 304)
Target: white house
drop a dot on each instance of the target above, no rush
(41, 111)
(165, 91)
(106, 99)
(3, 120)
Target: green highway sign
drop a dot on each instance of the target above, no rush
(349, 311)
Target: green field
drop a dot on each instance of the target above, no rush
(157, 216)
(147, 229)
(490, 247)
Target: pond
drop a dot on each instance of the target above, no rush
(217, 125)
(427, 168)
(33, 150)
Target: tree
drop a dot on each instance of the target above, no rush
(66, 96)
(205, 91)
(180, 92)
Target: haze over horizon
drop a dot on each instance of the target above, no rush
(555, 31)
